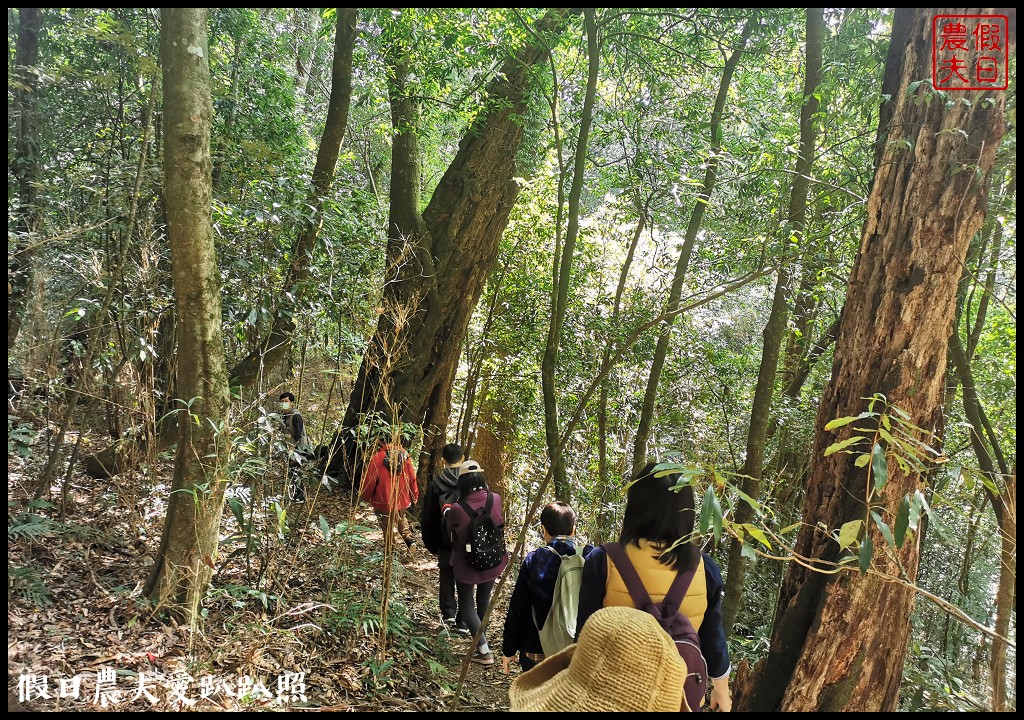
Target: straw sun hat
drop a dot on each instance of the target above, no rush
(623, 661)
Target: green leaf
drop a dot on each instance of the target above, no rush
(902, 520)
(789, 528)
(862, 460)
(747, 551)
(711, 513)
(840, 422)
(836, 447)
(237, 511)
(325, 529)
(878, 467)
(866, 551)
(914, 515)
(883, 528)
(754, 504)
(849, 532)
(757, 534)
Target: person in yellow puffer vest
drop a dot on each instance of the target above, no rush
(656, 519)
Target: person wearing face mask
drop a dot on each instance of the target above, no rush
(296, 427)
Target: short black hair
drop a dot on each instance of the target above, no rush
(662, 515)
(558, 518)
(287, 396)
(452, 453)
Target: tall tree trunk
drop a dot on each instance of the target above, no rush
(1006, 594)
(643, 430)
(188, 545)
(563, 266)
(24, 168)
(775, 328)
(838, 639)
(437, 264)
(276, 346)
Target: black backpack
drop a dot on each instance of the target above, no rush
(674, 622)
(485, 545)
(399, 460)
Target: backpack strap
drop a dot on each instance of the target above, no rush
(617, 554)
(485, 510)
(641, 598)
(675, 595)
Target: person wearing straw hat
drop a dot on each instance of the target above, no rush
(659, 541)
(622, 662)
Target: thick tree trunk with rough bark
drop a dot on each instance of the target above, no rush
(438, 262)
(839, 640)
(775, 327)
(24, 167)
(188, 546)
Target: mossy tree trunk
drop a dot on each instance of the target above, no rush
(188, 545)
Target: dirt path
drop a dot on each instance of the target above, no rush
(75, 611)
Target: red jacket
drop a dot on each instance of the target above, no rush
(386, 492)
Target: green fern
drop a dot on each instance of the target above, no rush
(31, 526)
(24, 582)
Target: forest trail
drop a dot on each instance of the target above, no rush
(80, 632)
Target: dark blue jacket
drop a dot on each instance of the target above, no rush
(531, 598)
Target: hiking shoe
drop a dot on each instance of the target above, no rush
(455, 626)
(483, 658)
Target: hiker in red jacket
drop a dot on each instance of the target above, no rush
(390, 488)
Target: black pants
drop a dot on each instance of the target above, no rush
(446, 586)
(296, 488)
(473, 600)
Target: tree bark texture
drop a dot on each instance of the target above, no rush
(838, 640)
(188, 550)
(24, 167)
(438, 262)
(775, 328)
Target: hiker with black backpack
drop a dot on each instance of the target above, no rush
(443, 490)
(479, 554)
(389, 486)
(541, 618)
(658, 566)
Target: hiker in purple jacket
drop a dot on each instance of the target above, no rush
(473, 586)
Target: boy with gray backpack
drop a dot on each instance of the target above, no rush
(541, 617)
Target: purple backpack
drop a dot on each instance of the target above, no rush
(674, 622)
